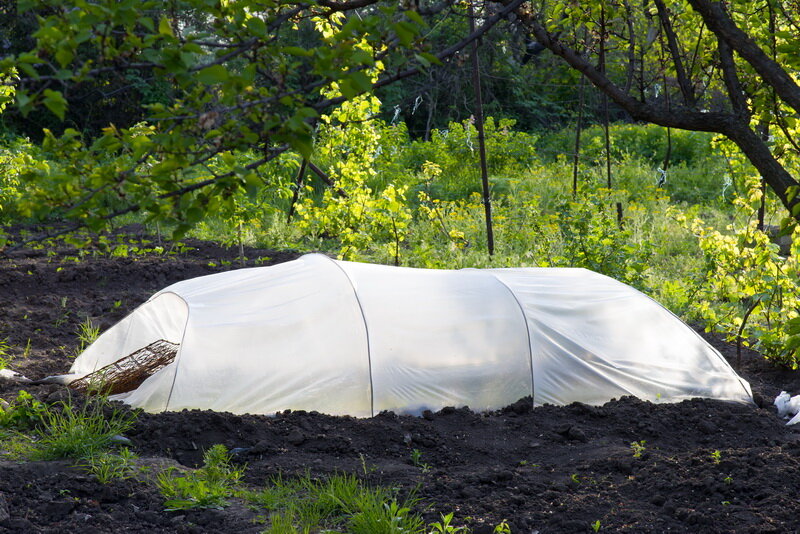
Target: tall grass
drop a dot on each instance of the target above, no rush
(340, 502)
(79, 432)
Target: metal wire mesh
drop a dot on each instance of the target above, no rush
(128, 373)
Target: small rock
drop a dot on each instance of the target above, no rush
(121, 440)
(707, 427)
(261, 447)
(59, 395)
(58, 509)
(504, 476)
(296, 438)
(427, 415)
(576, 434)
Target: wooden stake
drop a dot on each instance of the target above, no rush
(476, 82)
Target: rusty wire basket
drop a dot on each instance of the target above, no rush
(128, 373)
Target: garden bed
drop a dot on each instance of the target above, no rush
(627, 466)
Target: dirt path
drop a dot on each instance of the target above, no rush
(702, 466)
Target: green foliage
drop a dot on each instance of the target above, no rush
(416, 460)
(445, 527)
(207, 487)
(5, 357)
(645, 142)
(594, 239)
(263, 91)
(24, 413)
(340, 502)
(455, 152)
(350, 211)
(82, 432)
(7, 91)
(16, 156)
(638, 448)
(696, 168)
(749, 290)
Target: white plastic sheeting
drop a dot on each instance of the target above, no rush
(355, 339)
(788, 407)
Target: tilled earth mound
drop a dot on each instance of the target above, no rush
(699, 465)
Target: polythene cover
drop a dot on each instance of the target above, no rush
(355, 339)
(441, 338)
(593, 339)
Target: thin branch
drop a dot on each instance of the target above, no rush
(631, 46)
(686, 119)
(672, 43)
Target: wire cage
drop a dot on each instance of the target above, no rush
(128, 373)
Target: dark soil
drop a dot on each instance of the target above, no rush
(545, 470)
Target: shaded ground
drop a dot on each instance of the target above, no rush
(548, 470)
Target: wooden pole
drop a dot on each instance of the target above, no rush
(476, 82)
(576, 155)
(605, 110)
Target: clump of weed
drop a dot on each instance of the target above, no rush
(416, 459)
(638, 448)
(70, 431)
(5, 357)
(444, 526)
(341, 503)
(39, 431)
(24, 413)
(87, 333)
(106, 466)
(207, 487)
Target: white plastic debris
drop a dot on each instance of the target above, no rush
(8, 374)
(788, 407)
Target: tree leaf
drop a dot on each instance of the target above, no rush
(213, 74)
(164, 27)
(55, 102)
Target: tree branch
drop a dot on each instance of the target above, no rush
(731, 79)
(672, 43)
(684, 118)
(719, 21)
